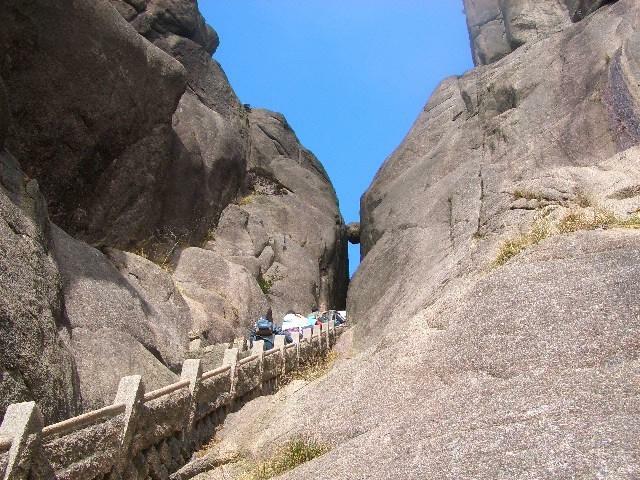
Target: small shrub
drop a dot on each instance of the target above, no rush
(316, 369)
(291, 455)
(526, 194)
(266, 282)
(246, 200)
(513, 247)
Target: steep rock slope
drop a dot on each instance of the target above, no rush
(34, 362)
(497, 326)
(497, 27)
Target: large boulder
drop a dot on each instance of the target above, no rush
(497, 27)
(210, 124)
(122, 321)
(224, 297)
(94, 127)
(152, 161)
(35, 364)
(287, 229)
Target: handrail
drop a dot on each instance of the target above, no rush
(83, 420)
(5, 443)
(165, 390)
(217, 371)
(248, 359)
(272, 351)
(291, 345)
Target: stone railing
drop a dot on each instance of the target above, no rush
(150, 434)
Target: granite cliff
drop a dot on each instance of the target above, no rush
(496, 317)
(154, 206)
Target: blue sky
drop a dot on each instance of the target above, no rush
(351, 76)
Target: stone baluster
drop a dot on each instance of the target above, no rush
(130, 393)
(192, 371)
(231, 358)
(279, 343)
(296, 339)
(332, 333)
(23, 424)
(258, 349)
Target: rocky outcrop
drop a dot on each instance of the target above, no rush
(119, 325)
(495, 321)
(34, 362)
(96, 136)
(152, 162)
(140, 144)
(353, 232)
(287, 229)
(224, 297)
(498, 27)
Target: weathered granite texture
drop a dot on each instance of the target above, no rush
(34, 363)
(287, 229)
(139, 143)
(498, 27)
(119, 325)
(93, 127)
(466, 367)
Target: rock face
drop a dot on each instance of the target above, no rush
(153, 162)
(287, 229)
(498, 27)
(140, 143)
(100, 155)
(496, 324)
(34, 362)
(119, 326)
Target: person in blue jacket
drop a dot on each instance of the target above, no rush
(266, 330)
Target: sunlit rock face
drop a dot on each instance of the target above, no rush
(496, 324)
(497, 27)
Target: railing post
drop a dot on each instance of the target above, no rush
(231, 358)
(296, 340)
(332, 333)
(327, 335)
(131, 393)
(258, 349)
(308, 349)
(23, 423)
(279, 343)
(316, 340)
(192, 371)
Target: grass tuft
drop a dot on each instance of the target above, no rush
(599, 219)
(526, 194)
(317, 368)
(246, 200)
(291, 455)
(572, 222)
(513, 247)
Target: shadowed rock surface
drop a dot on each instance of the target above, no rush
(93, 135)
(475, 363)
(34, 362)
